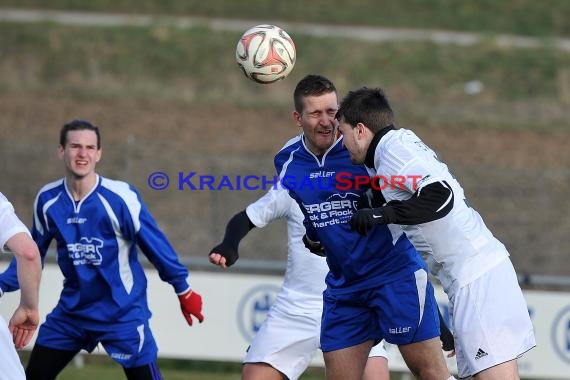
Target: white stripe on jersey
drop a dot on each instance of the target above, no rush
(51, 185)
(123, 248)
(123, 190)
(47, 205)
(421, 286)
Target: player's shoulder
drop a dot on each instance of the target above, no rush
(399, 136)
(115, 184)
(119, 188)
(292, 144)
(399, 142)
(287, 153)
(51, 189)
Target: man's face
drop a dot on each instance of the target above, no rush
(353, 141)
(318, 122)
(80, 154)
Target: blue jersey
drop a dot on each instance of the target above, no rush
(97, 240)
(326, 190)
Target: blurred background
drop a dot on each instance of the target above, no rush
(486, 84)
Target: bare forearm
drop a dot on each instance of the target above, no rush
(29, 269)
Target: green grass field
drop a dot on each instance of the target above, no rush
(197, 65)
(97, 367)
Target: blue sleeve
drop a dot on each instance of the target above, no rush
(9, 278)
(156, 247)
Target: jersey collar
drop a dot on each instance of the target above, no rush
(369, 160)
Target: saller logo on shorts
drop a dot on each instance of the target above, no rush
(399, 330)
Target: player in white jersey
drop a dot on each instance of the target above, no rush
(15, 238)
(487, 307)
(285, 344)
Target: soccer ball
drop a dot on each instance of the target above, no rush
(265, 54)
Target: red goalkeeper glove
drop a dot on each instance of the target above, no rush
(191, 305)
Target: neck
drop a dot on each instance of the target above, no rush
(369, 159)
(78, 187)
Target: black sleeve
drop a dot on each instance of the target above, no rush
(238, 226)
(447, 341)
(431, 202)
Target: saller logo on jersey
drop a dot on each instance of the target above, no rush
(86, 251)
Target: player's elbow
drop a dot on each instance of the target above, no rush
(30, 253)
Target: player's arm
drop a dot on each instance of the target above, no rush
(428, 203)
(25, 319)
(311, 240)
(273, 205)
(447, 341)
(157, 248)
(226, 253)
(9, 281)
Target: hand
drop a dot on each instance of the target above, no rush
(446, 336)
(223, 255)
(447, 341)
(191, 305)
(23, 325)
(363, 220)
(370, 198)
(314, 246)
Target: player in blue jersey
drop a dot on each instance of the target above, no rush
(97, 224)
(377, 286)
(487, 307)
(16, 239)
(286, 342)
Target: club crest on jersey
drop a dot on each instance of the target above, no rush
(86, 251)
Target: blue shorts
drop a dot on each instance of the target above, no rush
(130, 345)
(401, 312)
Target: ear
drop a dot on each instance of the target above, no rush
(60, 151)
(361, 130)
(99, 153)
(297, 118)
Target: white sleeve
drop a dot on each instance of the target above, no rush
(275, 204)
(10, 224)
(408, 161)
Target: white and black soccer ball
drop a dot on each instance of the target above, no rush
(266, 54)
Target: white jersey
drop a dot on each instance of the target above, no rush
(10, 365)
(305, 273)
(10, 224)
(457, 248)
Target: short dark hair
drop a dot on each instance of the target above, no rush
(78, 125)
(369, 106)
(311, 85)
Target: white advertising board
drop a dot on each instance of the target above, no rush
(235, 306)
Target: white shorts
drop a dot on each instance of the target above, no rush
(491, 321)
(288, 341)
(10, 364)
